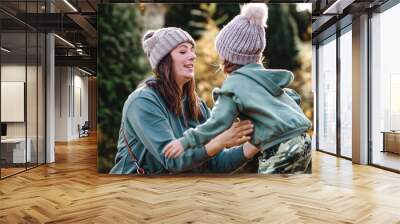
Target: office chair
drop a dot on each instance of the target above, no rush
(84, 130)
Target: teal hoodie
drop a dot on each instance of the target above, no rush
(257, 94)
(149, 126)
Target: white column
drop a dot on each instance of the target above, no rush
(314, 91)
(360, 90)
(50, 93)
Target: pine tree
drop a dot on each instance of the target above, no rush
(121, 66)
(192, 17)
(184, 16)
(281, 51)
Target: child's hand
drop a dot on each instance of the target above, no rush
(173, 149)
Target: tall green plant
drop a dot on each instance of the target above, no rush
(121, 66)
(281, 51)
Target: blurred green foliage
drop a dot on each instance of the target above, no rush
(303, 22)
(194, 17)
(285, 24)
(207, 77)
(281, 51)
(121, 66)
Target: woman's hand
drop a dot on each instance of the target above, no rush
(237, 134)
(173, 149)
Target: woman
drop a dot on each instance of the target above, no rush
(166, 105)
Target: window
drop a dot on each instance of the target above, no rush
(385, 88)
(346, 93)
(327, 96)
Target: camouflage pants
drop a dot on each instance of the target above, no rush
(292, 156)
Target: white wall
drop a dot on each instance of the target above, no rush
(61, 103)
(80, 110)
(71, 94)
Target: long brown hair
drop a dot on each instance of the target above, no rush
(169, 90)
(229, 67)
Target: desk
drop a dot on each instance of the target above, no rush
(13, 150)
(391, 141)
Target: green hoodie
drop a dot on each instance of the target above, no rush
(149, 126)
(257, 94)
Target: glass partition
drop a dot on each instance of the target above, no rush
(14, 152)
(327, 95)
(22, 88)
(385, 89)
(346, 93)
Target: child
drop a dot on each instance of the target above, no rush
(250, 91)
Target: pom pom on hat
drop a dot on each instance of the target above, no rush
(242, 40)
(148, 34)
(256, 13)
(149, 40)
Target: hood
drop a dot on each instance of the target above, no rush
(273, 80)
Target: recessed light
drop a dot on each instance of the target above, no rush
(64, 40)
(5, 50)
(84, 71)
(70, 5)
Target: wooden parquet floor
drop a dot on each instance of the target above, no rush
(10, 171)
(71, 191)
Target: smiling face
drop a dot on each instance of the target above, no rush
(183, 58)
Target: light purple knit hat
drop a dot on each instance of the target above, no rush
(158, 43)
(242, 40)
